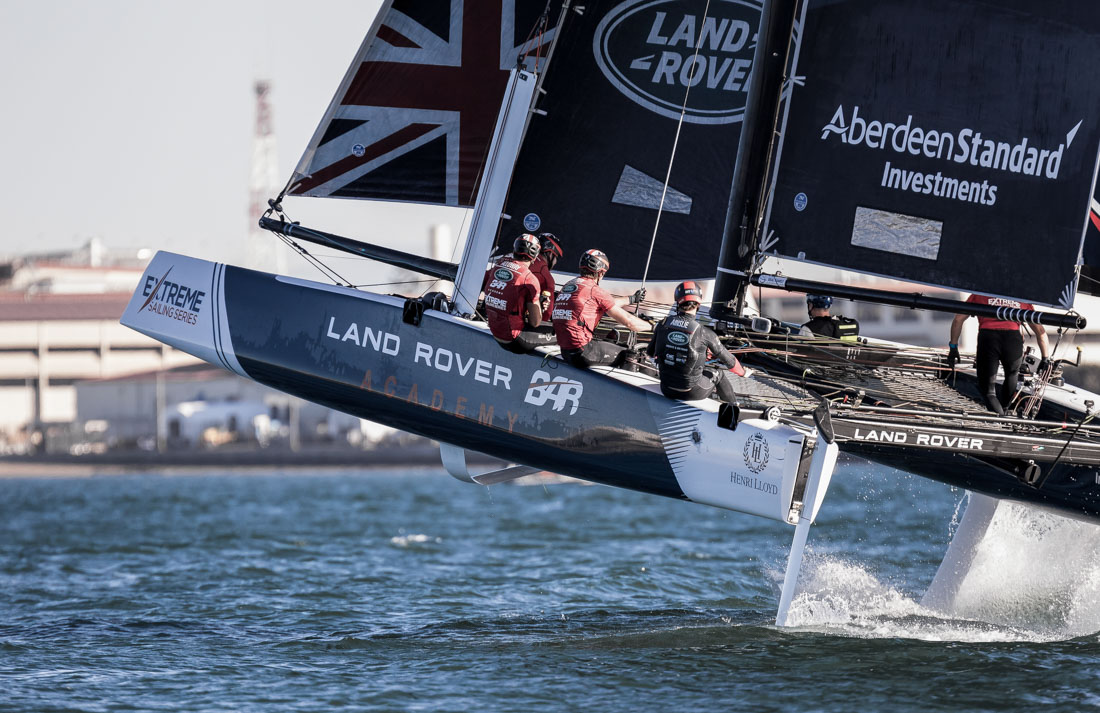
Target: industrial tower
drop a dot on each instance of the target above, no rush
(264, 251)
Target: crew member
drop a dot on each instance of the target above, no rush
(511, 299)
(578, 309)
(823, 324)
(541, 267)
(681, 345)
(999, 342)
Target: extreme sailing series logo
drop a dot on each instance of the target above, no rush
(654, 51)
(171, 299)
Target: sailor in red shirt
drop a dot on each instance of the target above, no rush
(511, 299)
(999, 342)
(578, 309)
(541, 267)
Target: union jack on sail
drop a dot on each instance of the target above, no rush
(414, 116)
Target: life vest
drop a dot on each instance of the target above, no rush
(577, 311)
(680, 356)
(509, 286)
(847, 329)
(838, 327)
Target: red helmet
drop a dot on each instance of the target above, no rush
(526, 245)
(596, 261)
(689, 292)
(550, 244)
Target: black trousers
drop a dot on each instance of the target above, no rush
(1004, 347)
(527, 340)
(704, 387)
(595, 353)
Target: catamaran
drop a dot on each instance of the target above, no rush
(693, 139)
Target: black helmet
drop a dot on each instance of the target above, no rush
(526, 245)
(689, 291)
(819, 301)
(596, 261)
(550, 244)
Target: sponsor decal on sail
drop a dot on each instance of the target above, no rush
(964, 147)
(654, 51)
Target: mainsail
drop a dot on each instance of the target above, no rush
(592, 168)
(948, 142)
(414, 115)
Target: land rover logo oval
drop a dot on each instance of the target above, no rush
(570, 287)
(677, 338)
(503, 273)
(646, 49)
(756, 452)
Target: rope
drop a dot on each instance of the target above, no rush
(675, 144)
(275, 206)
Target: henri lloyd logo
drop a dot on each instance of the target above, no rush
(756, 453)
(172, 299)
(559, 391)
(647, 50)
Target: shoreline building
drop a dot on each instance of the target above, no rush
(59, 325)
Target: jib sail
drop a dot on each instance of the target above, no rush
(947, 142)
(592, 168)
(414, 115)
(1090, 270)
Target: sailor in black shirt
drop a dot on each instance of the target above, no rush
(822, 324)
(680, 346)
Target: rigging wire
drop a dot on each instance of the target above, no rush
(540, 29)
(675, 145)
(275, 206)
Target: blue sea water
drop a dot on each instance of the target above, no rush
(410, 591)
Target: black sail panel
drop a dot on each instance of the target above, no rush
(947, 142)
(592, 168)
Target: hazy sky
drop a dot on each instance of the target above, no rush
(132, 120)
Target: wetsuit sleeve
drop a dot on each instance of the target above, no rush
(710, 339)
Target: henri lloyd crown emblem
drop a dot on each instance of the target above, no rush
(646, 49)
(756, 453)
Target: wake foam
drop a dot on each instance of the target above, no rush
(1035, 576)
(1037, 570)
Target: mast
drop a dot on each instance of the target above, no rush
(753, 153)
(503, 152)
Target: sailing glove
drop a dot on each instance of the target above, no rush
(953, 356)
(1044, 365)
(638, 296)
